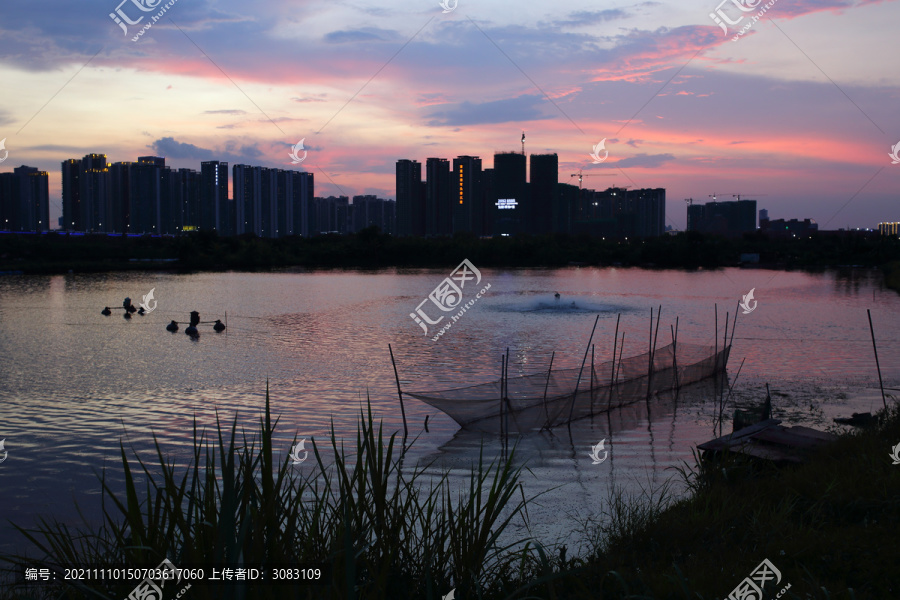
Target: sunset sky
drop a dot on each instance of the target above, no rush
(801, 112)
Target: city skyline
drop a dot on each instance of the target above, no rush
(781, 112)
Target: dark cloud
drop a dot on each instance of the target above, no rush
(649, 161)
(170, 148)
(593, 17)
(366, 34)
(522, 108)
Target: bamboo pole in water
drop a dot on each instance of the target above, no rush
(506, 399)
(621, 351)
(547, 386)
(583, 360)
(593, 347)
(399, 393)
(724, 342)
(502, 384)
(716, 342)
(675, 351)
(875, 348)
(612, 376)
(653, 346)
(734, 325)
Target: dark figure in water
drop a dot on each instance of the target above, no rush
(219, 326)
(128, 306)
(556, 295)
(106, 311)
(141, 311)
(173, 326)
(192, 328)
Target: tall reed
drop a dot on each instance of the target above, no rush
(381, 531)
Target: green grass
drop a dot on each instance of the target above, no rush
(386, 531)
(829, 526)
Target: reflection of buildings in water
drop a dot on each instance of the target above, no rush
(850, 279)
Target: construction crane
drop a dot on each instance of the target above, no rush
(690, 201)
(738, 196)
(713, 195)
(580, 176)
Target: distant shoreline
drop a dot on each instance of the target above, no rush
(55, 253)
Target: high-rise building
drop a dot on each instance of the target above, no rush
(303, 192)
(95, 193)
(789, 228)
(71, 195)
(145, 198)
(9, 204)
(25, 200)
(437, 197)
(621, 213)
(889, 228)
(542, 188)
(729, 219)
(488, 198)
(247, 198)
(410, 198)
(284, 209)
(467, 199)
(119, 217)
(565, 206)
(371, 211)
(214, 207)
(186, 201)
(511, 203)
(268, 212)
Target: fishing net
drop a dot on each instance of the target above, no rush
(549, 398)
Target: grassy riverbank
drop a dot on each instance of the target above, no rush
(59, 253)
(384, 531)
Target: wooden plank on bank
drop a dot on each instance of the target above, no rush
(737, 437)
(768, 440)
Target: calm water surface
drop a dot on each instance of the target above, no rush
(74, 384)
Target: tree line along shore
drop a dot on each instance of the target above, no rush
(371, 249)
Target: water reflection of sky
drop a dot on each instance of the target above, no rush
(73, 383)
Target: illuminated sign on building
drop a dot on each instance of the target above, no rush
(507, 203)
